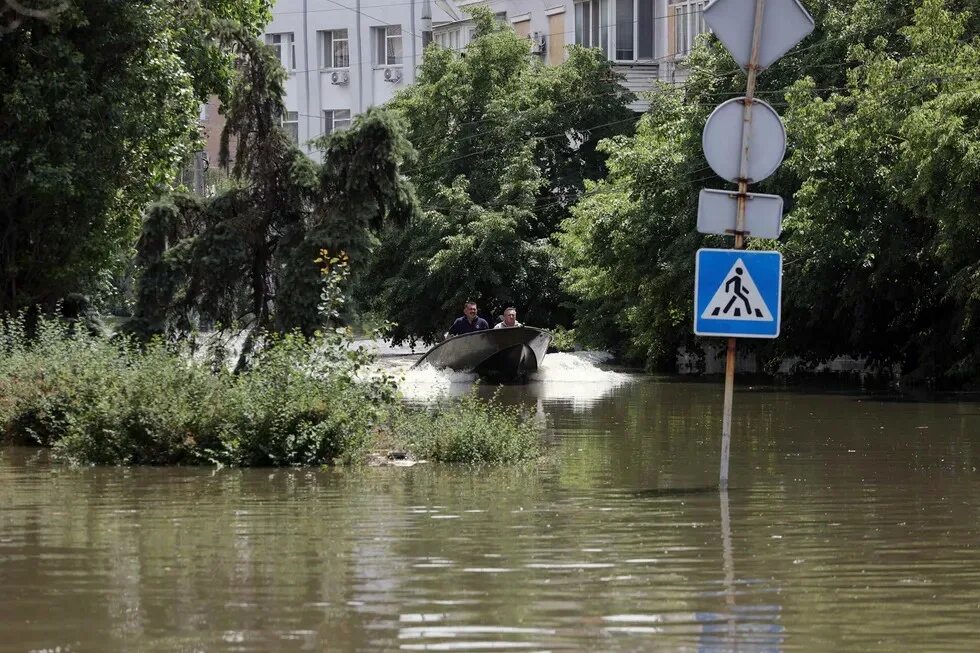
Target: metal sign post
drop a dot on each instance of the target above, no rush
(785, 24)
(743, 189)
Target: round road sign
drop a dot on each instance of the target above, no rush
(722, 140)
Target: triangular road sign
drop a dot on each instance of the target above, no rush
(737, 298)
(737, 293)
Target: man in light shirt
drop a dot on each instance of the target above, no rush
(510, 319)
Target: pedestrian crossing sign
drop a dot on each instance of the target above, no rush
(737, 293)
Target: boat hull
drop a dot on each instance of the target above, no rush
(503, 355)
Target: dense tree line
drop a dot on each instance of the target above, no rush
(100, 105)
(250, 257)
(498, 179)
(504, 146)
(881, 180)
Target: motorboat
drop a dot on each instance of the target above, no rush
(505, 355)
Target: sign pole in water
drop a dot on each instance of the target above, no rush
(743, 188)
(737, 299)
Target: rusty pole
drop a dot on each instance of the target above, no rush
(743, 186)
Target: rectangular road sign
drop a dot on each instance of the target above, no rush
(737, 293)
(717, 209)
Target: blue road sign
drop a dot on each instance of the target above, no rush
(737, 293)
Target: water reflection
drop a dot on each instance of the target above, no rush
(851, 523)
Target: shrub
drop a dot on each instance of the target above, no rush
(468, 430)
(299, 402)
(97, 400)
(563, 339)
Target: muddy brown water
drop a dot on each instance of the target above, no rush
(853, 523)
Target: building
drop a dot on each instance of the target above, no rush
(344, 56)
(647, 40)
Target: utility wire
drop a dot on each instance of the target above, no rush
(928, 80)
(525, 138)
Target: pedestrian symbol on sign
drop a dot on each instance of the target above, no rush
(737, 293)
(737, 298)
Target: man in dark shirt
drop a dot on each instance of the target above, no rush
(469, 322)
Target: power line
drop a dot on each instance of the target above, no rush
(524, 138)
(929, 80)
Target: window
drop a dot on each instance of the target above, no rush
(290, 122)
(335, 120)
(389, 44)
(523, 28)
(685, 20)
(631, 22)
(592, 24)
(624, 29)
(448, 39)
(284, 48)
(334, 49)
(645, 25)
(556, 38)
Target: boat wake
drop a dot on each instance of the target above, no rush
(576, 377)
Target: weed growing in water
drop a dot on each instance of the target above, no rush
(300, 402)
(468, 430)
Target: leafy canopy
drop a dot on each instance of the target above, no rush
(879, 241)
(884, 239)
(100, 105)
(504, 144)
(247, 257)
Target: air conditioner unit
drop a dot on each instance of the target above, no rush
(340, 77)
(393, 75)
(538, 43)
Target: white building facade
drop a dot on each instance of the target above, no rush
(344, 56)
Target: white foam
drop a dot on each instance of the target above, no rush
(426, 382)
(577, 367)
(574, 377)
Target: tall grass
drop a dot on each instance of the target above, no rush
(300, 402)
(469, 430)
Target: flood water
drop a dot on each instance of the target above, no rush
(852, 523)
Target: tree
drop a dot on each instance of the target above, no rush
(504, 146)
(100, 104)
(883, 238)
(630, 243)
(248, 256)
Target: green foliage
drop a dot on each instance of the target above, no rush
(563, 339)
(628, 244)
(468, 430)
(879, 242)
(100, 105)
(504, 146)
(109, 402)
(882, 243)
(301, 402)
(246, 257)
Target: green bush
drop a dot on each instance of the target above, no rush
(468, 430)
(563, 339)
(300, 402)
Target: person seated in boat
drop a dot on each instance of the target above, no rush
(510, 319)
(469, 322)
